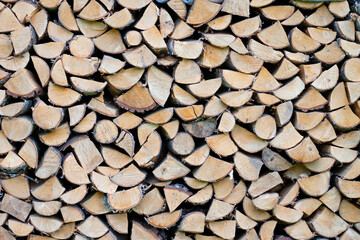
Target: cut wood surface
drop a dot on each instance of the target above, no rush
(179, 119)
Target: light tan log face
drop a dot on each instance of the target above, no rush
(179, 119)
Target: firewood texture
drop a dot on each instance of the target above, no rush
(179, 119)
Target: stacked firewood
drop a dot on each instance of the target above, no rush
(204, 119)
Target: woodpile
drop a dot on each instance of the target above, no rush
(179, 119)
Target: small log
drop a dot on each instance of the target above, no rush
(245, 63)
(22, 40)
(181, 29)
(330, 54)
(57, 33)
(225, 228)
(244, 222)
(81, 67)
(249, 114)
(45, 224)
(212, 56)
(348, 188)
(187, 72)
(14, 63)
(58, 74)
(220, 23)
(91, 28)
(56, 137)
(17, 187)
(267, 230)
(320, 18)
(320, 165)
(253, 212)
(136, 99)
(264, 184)
(311, 99)
(278, 12)
(66, 17)
(349, 69)
(167, 24)
(71, 214)
(253, 143)
(164, 220)
(321, 35)
(154, 197)
(117, 200)
(299, 230)
(266, 36)
(297, 58)
(265, 53)
(149, 17)
(266, 201)
(49, 50)
(92, 11)
(295, 19)
(18, 228)
(86, 124)
(47, 208)
(221, 144)
(42, 69)
(74, 196)
(321, 181)
(265, 82)
(25, 79)
(110, 42)
(301, 42)
(110, 65)
(218, 209)
(285, 70)
(159, 85)
(218, 168)
(92, 227)
(140, 57)
(174, 196)
(12, 206)
(81, 46)
(307, 205)
(287, 215)
(193, 222)
(322, 218)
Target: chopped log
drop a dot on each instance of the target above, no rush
(287, 215)
(301, 42)
(66, 17)
(14, 63)
(92, 227)
(321, 35)
(264, 183)
(81, 46)
(321, 181)
(15, 207)
(126, 199)
(266, 201)
(253, 212)
(278, 12)
(22, 84)
(295, 19)
(47, 208)
(253, 143)
(74, 196)
(212, 170)
(245, 63)
(45, 224)
(20, 229)
(322, 218)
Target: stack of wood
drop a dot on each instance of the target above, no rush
(204, 119)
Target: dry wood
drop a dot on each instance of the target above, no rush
(268, 88)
